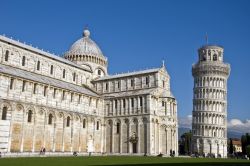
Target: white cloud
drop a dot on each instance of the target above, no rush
(237, 125)
(234, 125)
(185, 122)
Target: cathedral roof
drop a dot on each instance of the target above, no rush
(85, 46)
(41, 52)
(45, 80)
(154, 70)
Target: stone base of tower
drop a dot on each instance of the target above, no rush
(210, 147)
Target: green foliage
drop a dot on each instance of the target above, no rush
(245, 141)
(185, 143)
(231, 148)
(248, 150)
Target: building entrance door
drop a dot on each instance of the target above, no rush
(134, 148)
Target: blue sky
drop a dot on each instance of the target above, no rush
(137, 34)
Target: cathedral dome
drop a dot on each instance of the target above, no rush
(86, 53)
(85, 46)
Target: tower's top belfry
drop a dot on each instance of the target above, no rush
(211, 61)
(210, 53)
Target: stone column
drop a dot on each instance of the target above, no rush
(34, 132)
(112, 135)
(22, 139)
(129, 106)
(104, 137)
(171, 139)
(159, 138)
(143, 104)
(63, 134)
(167, 135)
(79, 141)
(121, 124)
(148, 107)
(129, 134)
(138, 108)
(10, 131)
(148, 139)
(121, 107)
(155, 130)
(139, 136)
(113, 108)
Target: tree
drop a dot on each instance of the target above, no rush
(231, 148)
(243, 143)
(248, 138)
(248, 150)
(185, 143)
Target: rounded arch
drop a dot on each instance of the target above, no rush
(4, 111)
(6, 104)
(68, 121)
(19, 107)
(100, 71)
(88, 66)
(84, 122)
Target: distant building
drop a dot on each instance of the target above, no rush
(72, 104)
(209, 122)
(237, 145)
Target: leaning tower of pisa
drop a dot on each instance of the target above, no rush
(209, 124)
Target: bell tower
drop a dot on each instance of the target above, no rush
(209, 122)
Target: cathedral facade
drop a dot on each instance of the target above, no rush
(72, 104)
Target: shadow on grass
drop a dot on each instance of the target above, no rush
(188, 164)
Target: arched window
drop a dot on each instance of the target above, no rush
(68, 121)
(132, 102)
(214, 57)
(6, 57)
(51, 69)
(50, 119)
(99, 72)
(115, 103)
(4, 113)
(30, 116)
(124, 103)
(118, 128)
(71, 97)
(34, 90)
(84, 123)
(23, 61)
(45, 91)
(23, 86)
(11, 83)
(204, 58)
(97, 125)
(107, 86)
(74, 76)
(64, 73)
(147, 80)
(118, 84)
(54, 94)
(132, 82)
(140, 101)
(38, 65)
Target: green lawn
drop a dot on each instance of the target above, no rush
(115, 160)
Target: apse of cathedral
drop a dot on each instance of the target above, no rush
(71, 103)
